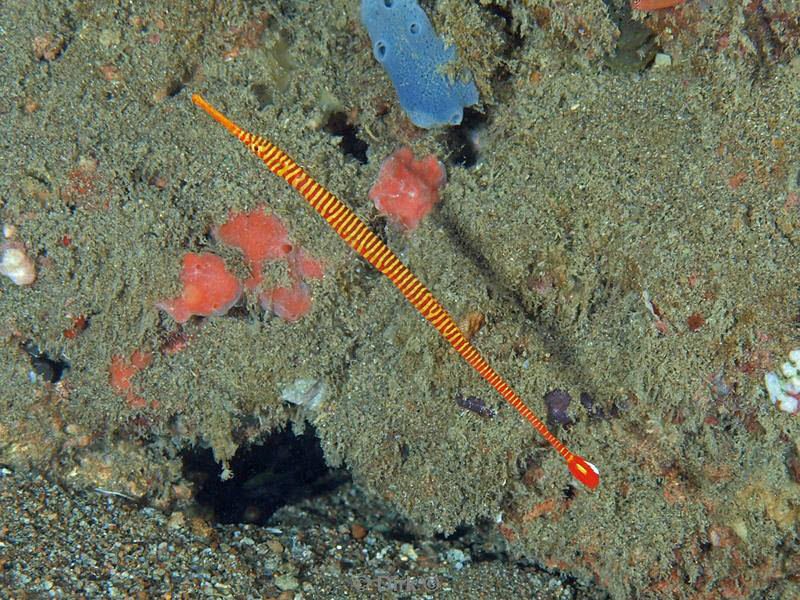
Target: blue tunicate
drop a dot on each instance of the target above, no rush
(406, 44)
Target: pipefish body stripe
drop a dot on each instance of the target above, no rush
(358, 236)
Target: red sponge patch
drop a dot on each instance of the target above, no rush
(302, 266)
(407, 188)
(208, 288)
(258, 235)
(288, 303)
(121, 371)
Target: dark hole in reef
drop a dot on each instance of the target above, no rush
(350, 143)
(513, 37)
(239, 311)
(174, 87)
(462, 141)
(263, 94)
(177, 84)
(50, 370)
(283, 470)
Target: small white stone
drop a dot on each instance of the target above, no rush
(783, 392)
(794, 356)
(773, 386)
(408, 551)
(16, 265)
(662, 60)
(788, 403)
(789, 370)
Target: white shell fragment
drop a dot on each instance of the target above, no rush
(309, 393)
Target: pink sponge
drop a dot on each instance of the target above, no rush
(259, 236)
(208, 288)
(407, 188)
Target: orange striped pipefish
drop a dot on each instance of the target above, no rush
(651, 5)
(359, 237)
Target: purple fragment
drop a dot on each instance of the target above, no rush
(595, 411)
(719, 388)
(476, 405)
(557, 402)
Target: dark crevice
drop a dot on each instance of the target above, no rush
(513, 38)
(282, 470)
(49, 369)
(462, 142)
(338, 125)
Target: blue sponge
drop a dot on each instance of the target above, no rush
(405, 43)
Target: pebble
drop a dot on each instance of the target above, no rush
(357, 531)
(662, 60)
(286, 582)
(177, 520)
(407, 550)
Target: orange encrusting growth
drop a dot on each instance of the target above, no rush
(358, 236)
(650, 5)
